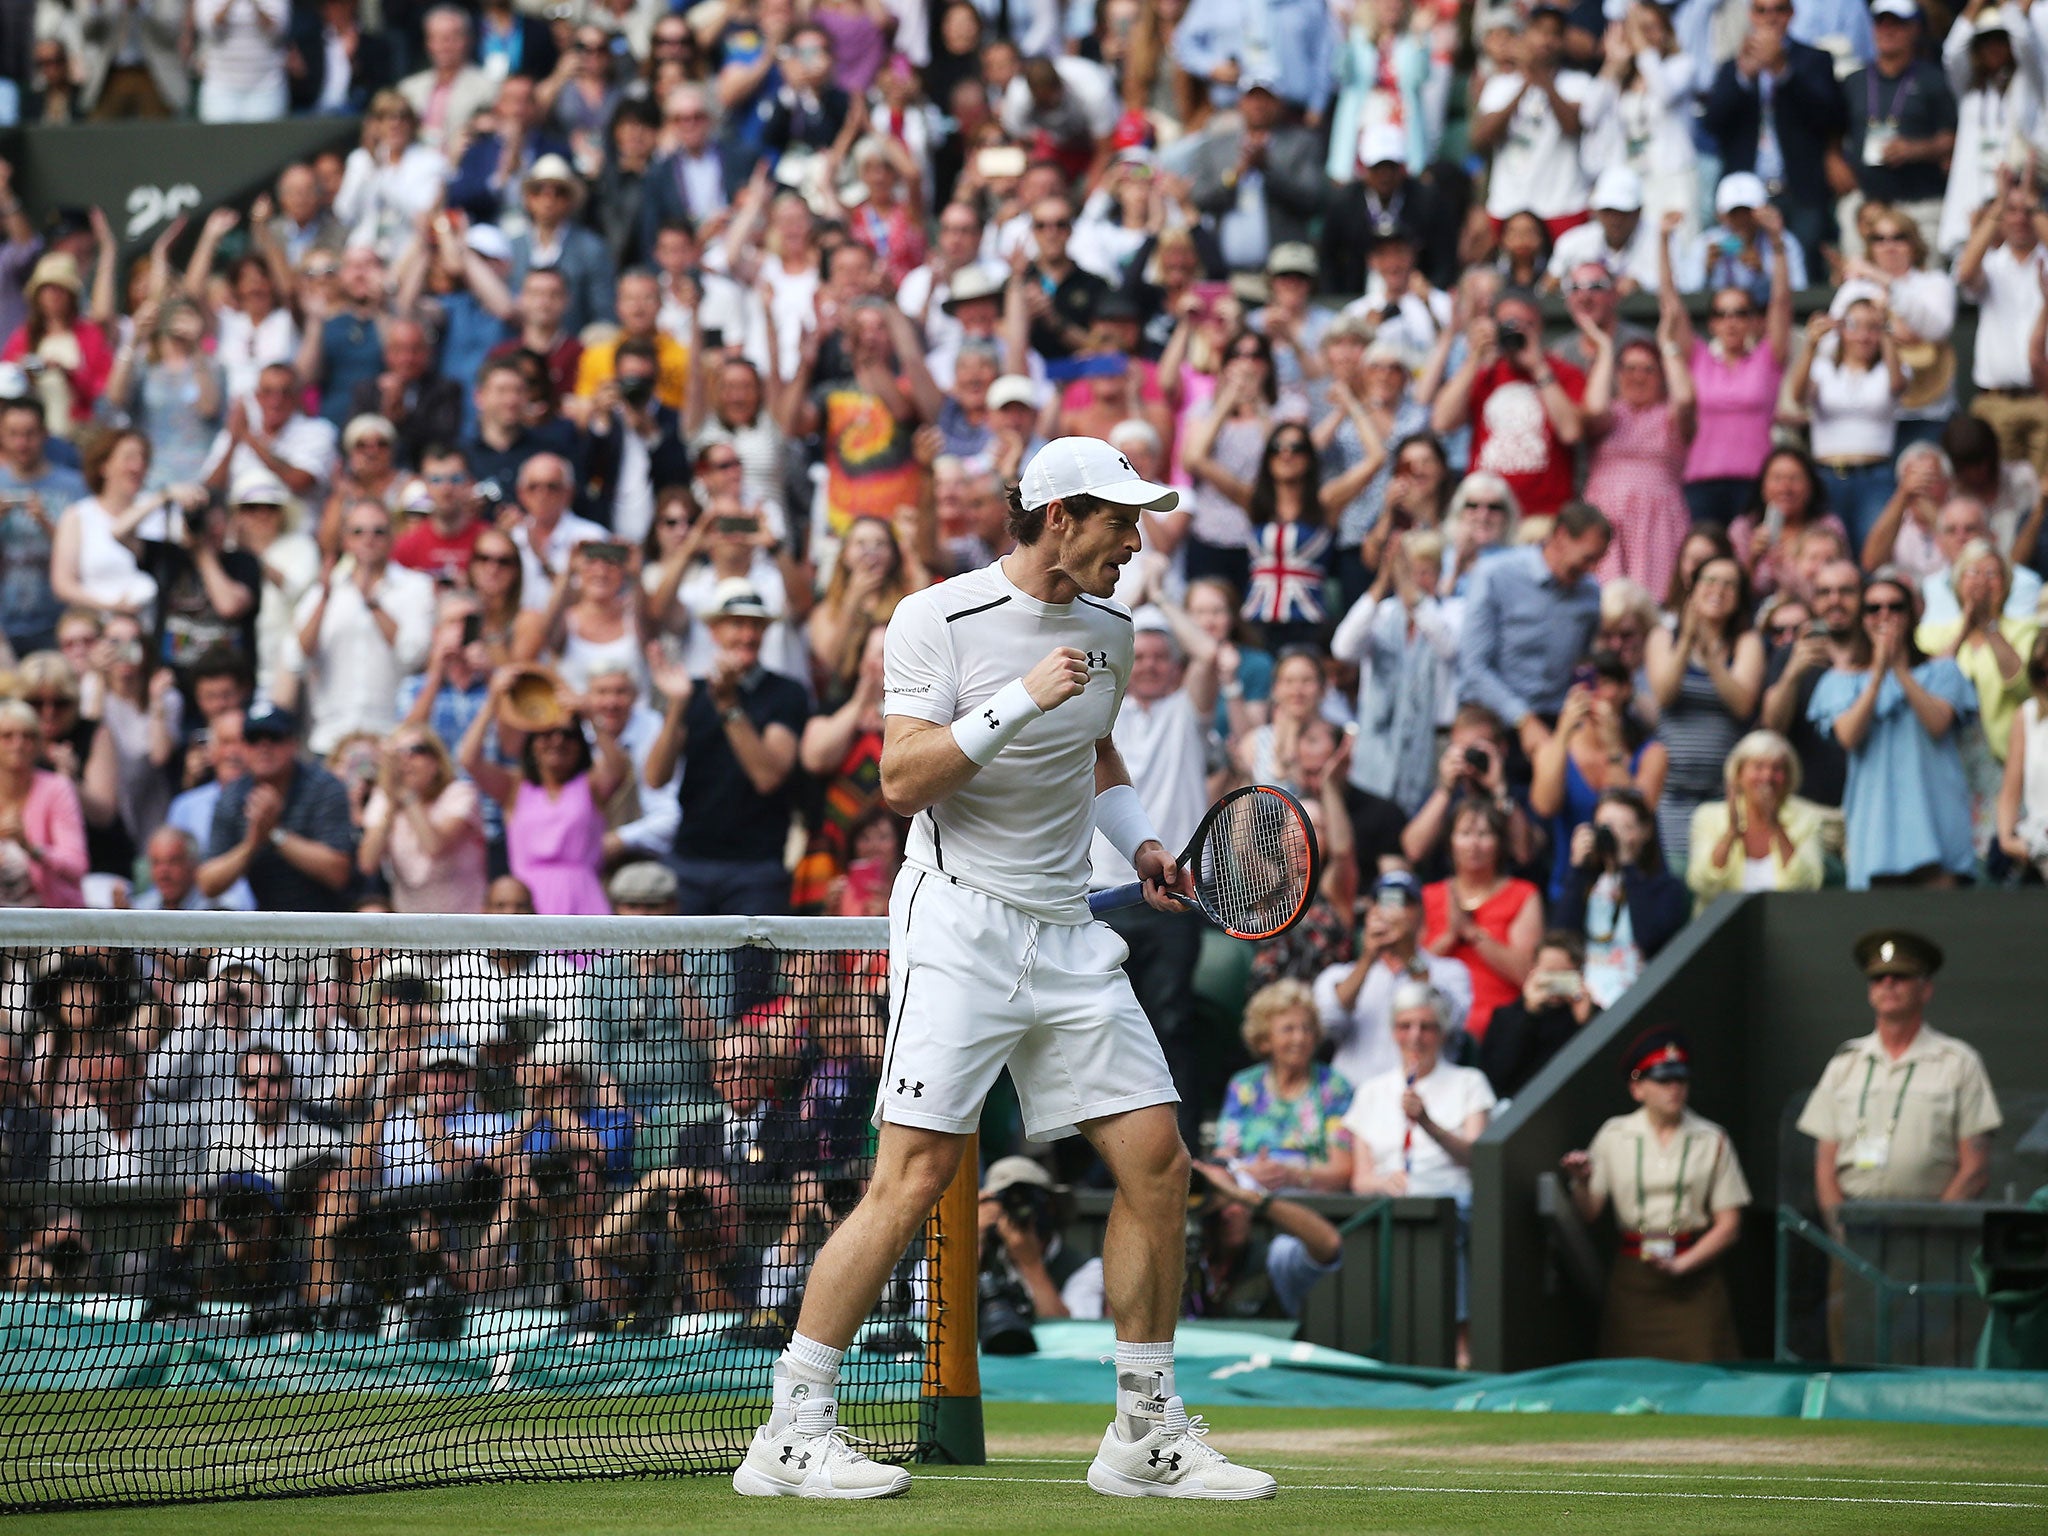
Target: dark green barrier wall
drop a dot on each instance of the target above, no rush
(1767, 989)
(146, 174)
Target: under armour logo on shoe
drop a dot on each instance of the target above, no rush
(1170, 1461)
(905, 1085)
(990, 716)
(804, 1460)
(1098, 661)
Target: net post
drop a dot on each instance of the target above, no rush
(952, 1371)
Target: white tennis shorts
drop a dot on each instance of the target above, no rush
(976, 985)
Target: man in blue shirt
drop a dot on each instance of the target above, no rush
(1532, 615)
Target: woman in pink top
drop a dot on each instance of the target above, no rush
(1735, 377)
(554, 809)
(423, 829)
(42, 827)
(1639, 414)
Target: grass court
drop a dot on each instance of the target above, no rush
(1340, 1472)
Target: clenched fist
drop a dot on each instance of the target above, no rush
(1062, 674)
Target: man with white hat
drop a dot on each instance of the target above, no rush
(997, 963)
(1618, 237)
(1738, 254)
(1383, 200)
(734, 732)
(553, 197)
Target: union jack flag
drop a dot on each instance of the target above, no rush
(1287, 574)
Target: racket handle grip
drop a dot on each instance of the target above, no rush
(1117, 896)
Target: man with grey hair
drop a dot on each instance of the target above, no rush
(643, 817)
(173, 855)
(698, 179)
(450, 90)
(1963, 520)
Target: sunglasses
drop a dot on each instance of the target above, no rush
(1888, 237)
(254, 1079)
(1732, 314)
(1292, 445)
(720, 464)
(418, 749)
(675, 522)
(1884, 607)
(51, 701)
(1052, 223)
(263, 739)
(493, 559)
(1487, 506)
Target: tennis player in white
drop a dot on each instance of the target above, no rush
(994, 960)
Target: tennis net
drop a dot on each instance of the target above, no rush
(298, 1203)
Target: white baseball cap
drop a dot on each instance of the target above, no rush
(1012, 389)
(1904, 10)
(1382, 143)
(489, 242)
(1740, 189)
(1088, 466)
(1619, 190)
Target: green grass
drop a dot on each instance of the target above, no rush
(1340, 1472)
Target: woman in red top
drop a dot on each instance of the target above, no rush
(1489, 920)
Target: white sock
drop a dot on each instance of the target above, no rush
(807, 1371)
(1144, 1381)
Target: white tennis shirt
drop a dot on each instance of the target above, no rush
(1019, 830)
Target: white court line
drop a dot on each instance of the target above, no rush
(1872, 1479)
(1563, 1493)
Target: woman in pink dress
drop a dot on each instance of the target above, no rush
(1639, 414)
(554, 809)
(1735, 374)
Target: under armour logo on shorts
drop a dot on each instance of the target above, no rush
(905, 1085)
(804, 1460)
(990, 716)
(1171, 1462)
(1098, 661)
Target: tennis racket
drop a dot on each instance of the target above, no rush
(1254, 860)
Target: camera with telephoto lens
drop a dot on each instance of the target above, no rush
(1006, 1309)
(1477, 762)
(637, 390)
(1512, 337)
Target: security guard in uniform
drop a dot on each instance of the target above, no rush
(1905, 1112)
(1678, 1194)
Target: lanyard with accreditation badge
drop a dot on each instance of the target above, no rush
(1869, 1151)
(1666, 1247)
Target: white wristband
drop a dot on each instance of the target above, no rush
(995, 725)
(1120, 817)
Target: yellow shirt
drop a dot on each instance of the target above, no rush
(1898, 1126)
(1998, 698)
(1801, 819)
(601, 362)
(1666, 1187)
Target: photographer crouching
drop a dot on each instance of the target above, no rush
(1027, 1273)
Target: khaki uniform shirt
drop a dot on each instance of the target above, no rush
(1898, 1126)
(1666, 1187)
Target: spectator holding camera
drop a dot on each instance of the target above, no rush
(1554, 1006)
(55, 1258)
(1353, 998)
(1618, 893)
(1472, 768)
(593, 619)
(1017, 1211)
(1763, 836)
(1528, 437)
(1599, 744)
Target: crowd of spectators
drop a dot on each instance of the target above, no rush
(506, 514)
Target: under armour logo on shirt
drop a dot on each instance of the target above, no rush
(1098, 661)
(1171, 1461)
(905, 1085)
(804, 1460)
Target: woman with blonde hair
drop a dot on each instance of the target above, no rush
(1284, 1119)
(423, 829)
(1479, 524)
(42, 828)
(1989, 645)
(1763, 836)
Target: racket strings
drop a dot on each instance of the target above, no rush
(1254, 864)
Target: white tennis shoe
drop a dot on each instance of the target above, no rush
(1175, 1461)
(813, 1458)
